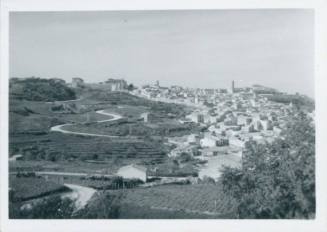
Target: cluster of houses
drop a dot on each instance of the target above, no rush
(232, 119)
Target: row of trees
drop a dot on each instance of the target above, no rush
(277, 180)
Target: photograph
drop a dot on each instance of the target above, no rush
(162, 114)
(178, 116)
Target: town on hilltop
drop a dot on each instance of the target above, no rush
(114, 140)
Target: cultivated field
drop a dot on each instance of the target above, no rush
(206, 198)
(163, 202)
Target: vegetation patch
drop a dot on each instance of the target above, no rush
(37, 89)
(25, 188)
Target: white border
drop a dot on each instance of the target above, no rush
(319, 224)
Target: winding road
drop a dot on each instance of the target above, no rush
(80, 193)
(114, 117)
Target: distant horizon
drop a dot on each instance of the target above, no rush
(191, 48)
(184, 86)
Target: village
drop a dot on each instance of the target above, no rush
(230, 118)
(207, 133)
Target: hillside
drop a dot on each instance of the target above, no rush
(37, 89)
(300, 101)
(123, 98)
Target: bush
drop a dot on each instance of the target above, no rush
(48, 208)
(276, 180)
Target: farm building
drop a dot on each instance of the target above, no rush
(133, 171)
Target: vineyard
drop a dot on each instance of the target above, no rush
(166, 201)
(206, 198)
(62, 147)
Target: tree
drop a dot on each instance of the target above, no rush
(37, 89)
(95, 157)
(130, 87)
(185, 157)
(276, 180)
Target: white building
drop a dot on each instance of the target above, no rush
(116, 84)
(196, 117)
(208, 142)
(133, 171)
(145, 116)
(277, 130)
(242, 120)
(192, 138)
(266, 124)
(213, 119)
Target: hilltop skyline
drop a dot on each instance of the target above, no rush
(202, 48)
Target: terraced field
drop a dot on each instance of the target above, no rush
(206, 199)
(73, 146)
(166, 201)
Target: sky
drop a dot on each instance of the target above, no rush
(191, 48)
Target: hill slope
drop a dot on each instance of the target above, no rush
(37, 89)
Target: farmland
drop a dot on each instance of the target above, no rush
(136, 141)
(124, 128)
(170, 201)
(72, 152)
(197, 198)
(30, 136)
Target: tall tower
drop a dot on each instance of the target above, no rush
(233, 87)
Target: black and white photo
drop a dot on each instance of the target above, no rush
(162, 114)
